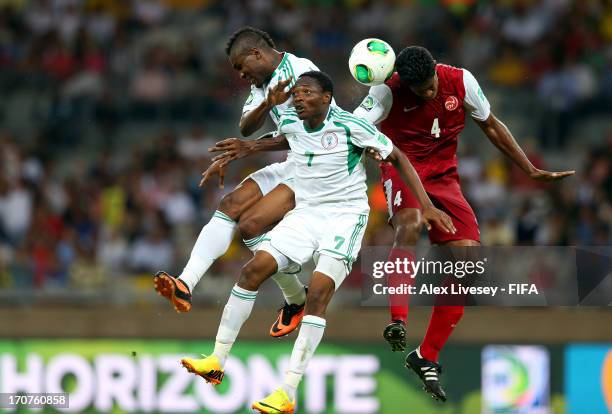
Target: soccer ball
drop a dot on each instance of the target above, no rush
(372, 62)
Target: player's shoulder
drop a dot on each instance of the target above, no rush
(450, 79)
(393, 82)
(449, 73)
(347, 119)
(300, 64)
(443, 68)
(288, 116)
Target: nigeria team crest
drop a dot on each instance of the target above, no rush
(329, 140)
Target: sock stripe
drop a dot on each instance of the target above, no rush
(222, 216)
(251, 295)
(313, 324)
(243, 296)
(253, 241)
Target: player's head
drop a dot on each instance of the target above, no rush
(312, 94)
(250, 53)
(417, 70)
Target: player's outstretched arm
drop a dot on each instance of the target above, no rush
(431, 215)
(254, 119)
(233, 149)
(502, 138)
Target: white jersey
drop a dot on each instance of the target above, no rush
(377, 105)
(329, 167)
(290, 66)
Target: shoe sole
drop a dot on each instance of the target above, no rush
(165, 287)
(288, 329)
(190, 368)
(262, 410)
(395, 337)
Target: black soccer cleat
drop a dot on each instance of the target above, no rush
(395, 335)
(428, 371)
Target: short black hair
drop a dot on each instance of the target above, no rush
(251, 37)
(322, 79)
(415, 65)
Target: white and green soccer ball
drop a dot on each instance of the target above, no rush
(372, 62)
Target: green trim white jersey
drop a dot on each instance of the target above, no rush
(290, 65)
(329, 167)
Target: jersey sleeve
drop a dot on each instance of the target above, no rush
(376, 105)
(306, 65)
(285, 118)
(475, 101)
(256, 97)
(365, 135)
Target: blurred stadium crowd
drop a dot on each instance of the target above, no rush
(109, 107)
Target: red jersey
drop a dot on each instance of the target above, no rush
(427, 131)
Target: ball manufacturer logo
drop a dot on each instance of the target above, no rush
(451, 103)
(368, 103)
(329, 140)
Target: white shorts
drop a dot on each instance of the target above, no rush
(272, 175)
(305, 233)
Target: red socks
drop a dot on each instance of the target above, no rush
(441, 325)
(398, 303)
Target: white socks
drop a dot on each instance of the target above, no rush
(213, 241)
(292, 288)
(254, 243)
(305, 345)
(235, 313)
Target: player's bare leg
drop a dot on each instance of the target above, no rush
(213, 241)
(266, 212)
(424, 360)
(215, 238)
(406, 229)
(254, 223)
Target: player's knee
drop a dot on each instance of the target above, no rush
(317, 300)
(407, 226)
(249, 227)
(407, 234)
(253, 274)
(231, 205)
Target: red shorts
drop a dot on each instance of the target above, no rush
(445, 193)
